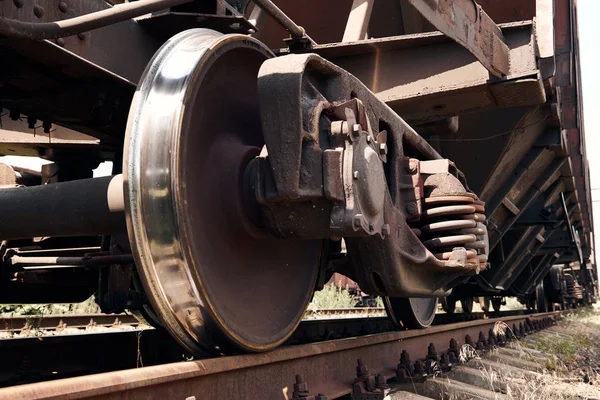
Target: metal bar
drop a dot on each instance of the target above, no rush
(14, 28)
(358, 20)
(88, 260)
(465, 22)
(296, 31)
(327, 367)
(532, 193)
(84, 207)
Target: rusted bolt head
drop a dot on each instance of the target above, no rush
(62, 6)
(412, 166)
(383, 149)
(19, 3)
(38, 11)
(385, 231)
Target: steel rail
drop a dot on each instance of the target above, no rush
(327, 367)
(50, 322)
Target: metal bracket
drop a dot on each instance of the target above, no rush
(465, 22)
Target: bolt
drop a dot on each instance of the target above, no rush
(412, 166)
(62, 6)
(38, 11)
(361, 369)
(321, 396)
(356, 128)
(521, 330)
(453, 345)
(469, 341)
(381, 382)
(432, 353)
(82, 36)
(31, 121)
(508, 333)
(355, 174)
(61, 42)
(445, 362)
(251, 31)
(300, 387)
(404, 358)
(419, 368)
(357, 222)
(452, 356)
(47, 125)
(412, 208)
(481, 337)
(369, 138)
(383, 149)
(19, 3)
(385, 229)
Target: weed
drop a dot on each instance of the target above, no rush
(332, 296)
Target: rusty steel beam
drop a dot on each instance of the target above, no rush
(427, 77)
(327, 367)
(465, 22)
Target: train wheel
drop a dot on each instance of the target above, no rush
(218, 281)
(448, 304)
(411, 312)
(540, 298)
(484, 303)
(467, 304)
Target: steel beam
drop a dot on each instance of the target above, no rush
(465, 22)
(427, 77)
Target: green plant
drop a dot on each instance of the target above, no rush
(333, 297)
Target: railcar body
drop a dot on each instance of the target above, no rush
(442, 141)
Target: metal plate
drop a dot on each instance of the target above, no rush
(218, 282)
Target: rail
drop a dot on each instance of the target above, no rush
(327, 367)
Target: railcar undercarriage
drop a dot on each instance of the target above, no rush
(452, 164)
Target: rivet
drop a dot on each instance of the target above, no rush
(60, 42)
(82, 35)
(38, 11)
(19, 3)
(62, 6)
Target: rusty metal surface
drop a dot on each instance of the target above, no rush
(467, 23)
(328, 368)
(427, 89)
(39, 325)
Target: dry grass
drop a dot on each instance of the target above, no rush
(569, 370)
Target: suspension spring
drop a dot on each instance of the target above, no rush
(448, 222)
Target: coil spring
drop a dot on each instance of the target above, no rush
(573, 288)
(448, 222)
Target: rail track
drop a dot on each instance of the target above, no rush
(42, 325)
(328, 368)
